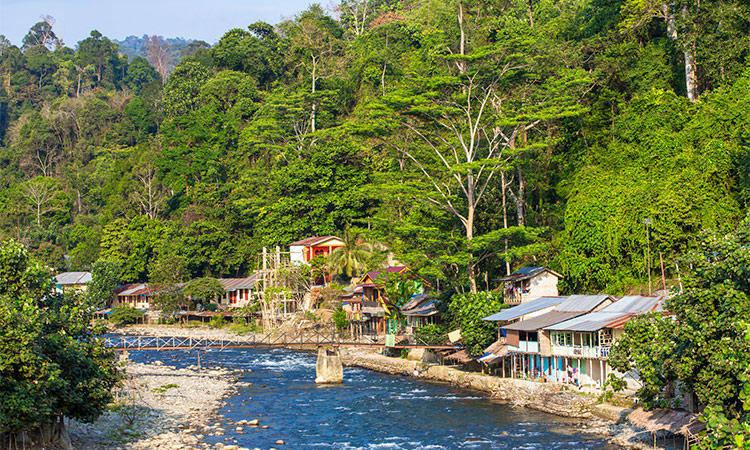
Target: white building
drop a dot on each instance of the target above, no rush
(529, 283)
(306, 249)
(72, 280)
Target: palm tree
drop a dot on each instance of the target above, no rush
(351, 259)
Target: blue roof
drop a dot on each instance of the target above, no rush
(525, 308)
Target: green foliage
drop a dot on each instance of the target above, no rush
(51, 363)
(339, 318)
(545, 136)
(125, 315)
(217, 321)
(465, 312)
(241, 326)
(398, 289)
(432, 334)
(105, 276)
(352, 258)
(604, 240)
(203, 290)
(706, 345)
(164, 388)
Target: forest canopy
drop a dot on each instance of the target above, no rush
(468, 137)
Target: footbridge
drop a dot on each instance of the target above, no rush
(280, 339)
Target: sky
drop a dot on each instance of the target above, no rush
(205, 20)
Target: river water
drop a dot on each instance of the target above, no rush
(369, 410)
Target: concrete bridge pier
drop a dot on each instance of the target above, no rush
(329, 369)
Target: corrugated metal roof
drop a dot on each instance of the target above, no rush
(315, 240)
(524, 273)
(67, 278)
(588, 322)
(232, 284)
(415, 301)
(543, 320)
(525, 308)
(134, 289)
(582, 303)
(634, 304)
(620, 323)
(426, 309)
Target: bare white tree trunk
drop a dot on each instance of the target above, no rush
(691, 77)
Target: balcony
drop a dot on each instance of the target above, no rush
(525, 347)
(578, 351)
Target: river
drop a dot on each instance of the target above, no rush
(369, 410)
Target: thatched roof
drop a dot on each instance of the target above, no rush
(673, 420)
(461, 357)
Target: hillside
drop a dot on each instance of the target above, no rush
(468, 138)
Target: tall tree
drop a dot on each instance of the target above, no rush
(157, 55)
(100, 53)
(41, 34)
(316, 42)
(44, 196)
(352, 258)
(73, 373)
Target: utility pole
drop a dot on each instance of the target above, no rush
(647, 221)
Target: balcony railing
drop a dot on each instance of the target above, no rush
(580, 351)
(525, 347)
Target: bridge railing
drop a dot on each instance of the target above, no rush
(275, 339)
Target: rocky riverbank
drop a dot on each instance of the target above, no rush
(540, 396)
(162, 407)
(548, 397)
(603, 419)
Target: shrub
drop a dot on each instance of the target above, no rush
(431, 334)
(467, 311)
(339, 318)
(217, 321)
(125, 314)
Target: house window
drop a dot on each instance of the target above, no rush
(563, 338)
(589, 339)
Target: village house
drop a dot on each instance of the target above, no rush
(421, 310)
(499, 349)
(135, 295)
(582, 344)
(68, 281)
(238, 292)
(373, 297)
(529, 283)
(529, 342)
(306, 249)
(365, 304)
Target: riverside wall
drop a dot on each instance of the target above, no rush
(547, 397)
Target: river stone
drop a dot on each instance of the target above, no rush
(328, 368)
(253, 422)
(279, 442)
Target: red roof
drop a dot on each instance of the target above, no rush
(373, 274)
(134, 289)
(309, 242)
(232, 284)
